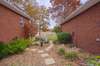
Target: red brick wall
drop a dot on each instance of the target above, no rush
(9, 24)
(86, 28)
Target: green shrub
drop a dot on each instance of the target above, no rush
(71, 55)
(61, 51)
(64, 37)
(13, 47)
(60, 37)
(17, 46)
(2, 45)
(3, 50)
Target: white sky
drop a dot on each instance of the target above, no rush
(47, 4)
(44, 2)
(83, 1)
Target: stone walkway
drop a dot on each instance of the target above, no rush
(50, 47)
(45, 56)
(31, 57)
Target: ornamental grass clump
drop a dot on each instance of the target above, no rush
(69, 64)
(71, 55)
(61, 51)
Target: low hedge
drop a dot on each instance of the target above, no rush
(61, 37)
(64, 37)
(13, 47)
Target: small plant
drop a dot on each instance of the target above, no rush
(71, 55)
(69, 64)
(97, 57)
(61, 51)
(92, 61)
(13, 65)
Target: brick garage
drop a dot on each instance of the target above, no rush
(85, 29)
(10, 23)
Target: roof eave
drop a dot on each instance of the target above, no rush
(13, 8)
(80, 10)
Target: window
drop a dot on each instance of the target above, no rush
(21, 22)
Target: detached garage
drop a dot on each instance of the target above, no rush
(84, 25)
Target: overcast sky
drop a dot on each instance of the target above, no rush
(44, 2)
(47, 4)
(83, 1)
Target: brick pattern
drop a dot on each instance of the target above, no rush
(10, 24)
(86, 29)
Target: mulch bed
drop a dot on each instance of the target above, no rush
(61, 61)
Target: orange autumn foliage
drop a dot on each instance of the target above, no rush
(29, 30)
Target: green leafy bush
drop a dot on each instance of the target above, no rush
(71, 55)
(1, 46)
(17, 46)
(61, 51)
(13, 47)
(60, 37)
(63, 37)
(3, 50)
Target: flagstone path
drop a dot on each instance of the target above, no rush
(31, 57)
(47, 58)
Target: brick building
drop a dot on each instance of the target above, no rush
(84, 25)
(14, 22)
